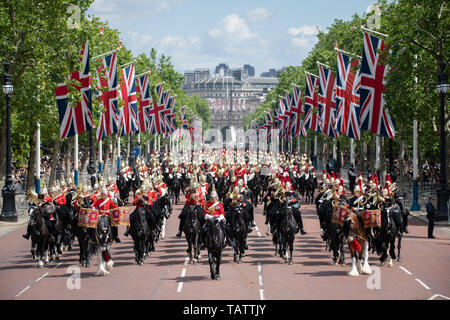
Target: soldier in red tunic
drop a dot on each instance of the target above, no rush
(193, 198)
(104, 203)
(214, 209)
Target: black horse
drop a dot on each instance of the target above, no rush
(388, 234)
(174, 186)
(55, 228)
(192, 229)
(239, 230)
(124, 187)
(222, 185)
(255, 186)
(310, 187)
(139, 231)
(287, 228)
(102, 238)
(215, 242)
(39, 235)
(83, 235)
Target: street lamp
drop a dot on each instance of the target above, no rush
(9, 204)
(443, 190)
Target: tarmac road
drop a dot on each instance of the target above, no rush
(423, 274)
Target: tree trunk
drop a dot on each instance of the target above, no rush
(84, 159)
(372, 154)
(31, 161)
(67, 159)
(401, 159)
(382, 160)
(56, 151)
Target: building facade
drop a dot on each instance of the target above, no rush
(230, 98)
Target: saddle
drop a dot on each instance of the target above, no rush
(49, 210)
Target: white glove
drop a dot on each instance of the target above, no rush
(221, 218)
(208, 217)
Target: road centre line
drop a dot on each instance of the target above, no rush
(423, 284)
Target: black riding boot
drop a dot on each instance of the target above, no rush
(405, 223)
(230, 240)
(27, 235)
(127, 232)
(180, 229)
(115, 234)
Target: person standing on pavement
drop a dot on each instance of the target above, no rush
(431, 214)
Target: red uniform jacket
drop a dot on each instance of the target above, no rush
(217, 206)
(104, 205)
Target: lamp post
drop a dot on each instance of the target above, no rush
(9, 204)
(443, 190)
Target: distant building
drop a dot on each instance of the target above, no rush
(250, 70)
(223, 69)
(272, 73)
(240, 91)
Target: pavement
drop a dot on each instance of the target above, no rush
(423, 274)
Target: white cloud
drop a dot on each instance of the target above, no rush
(234, 27)
(258, 14)
(303, 37)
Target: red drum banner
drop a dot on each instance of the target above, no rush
(371, 218)
(339, 214)
(119, 216)
(87, 218)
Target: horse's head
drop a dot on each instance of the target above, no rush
(104, 230)
(351, 226)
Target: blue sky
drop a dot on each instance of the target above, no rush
(203, 33)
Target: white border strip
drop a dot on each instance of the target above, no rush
(423, 284)
(405, 270)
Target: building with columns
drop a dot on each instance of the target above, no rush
(244, 94)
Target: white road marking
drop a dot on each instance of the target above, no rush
(261, 284)
(261, 294)
(259, 267)
(43, 276)
(186, 261)
(260, 280)
(423, 284)
(256, 227)
(438, 295)
(180, 285)
(259, 234)
(405, 270)
(20, 293)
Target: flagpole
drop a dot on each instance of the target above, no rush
(377, 156)
(38, 159)
(127, 64)
(323, 64)
(352, 152)
(139, 143)
(100, 157)
(312, 74)
(118, 155)
(75, 162)
(104, 54)
(315, 152)
(377, 33)
(347, 53)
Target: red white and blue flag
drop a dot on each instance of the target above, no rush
(374, 116)
(79, 119)
(107, 78)
(145, 101)
(312, 116)
(287, 116)
(348, 82)
(167, 111)
(296, 111)
(128, 91)
(159, 92)
(327, 102)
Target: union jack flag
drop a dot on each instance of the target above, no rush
(296, 111)
(79, 119)
(281, 114)
(374, 116)
(268, 123)
(312, 116)
(348, 83)
(145, 101)
(128, 91)
(159, 92)
(327, 102)
(173, 114)
(107, 78)
(167, 111)
(183, 119)
(157, 118)
(287, 116)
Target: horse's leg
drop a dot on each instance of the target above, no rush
(211, 265)
(163, 229)
(218, 258)
(341, 254)
(392, 252)
(33, 249)
(196, 248)
(366, 267)
(399, 246)
(100, 269)
(354, 272)
(40, 253)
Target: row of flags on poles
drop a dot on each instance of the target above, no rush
(223, 104)
(139, 112)
(344, 101)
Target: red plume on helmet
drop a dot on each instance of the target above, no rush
(339, 176)
(343, 188)
(324, 171)
(388, 179)
(376, 180)
(332, 175)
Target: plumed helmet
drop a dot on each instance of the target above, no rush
(240, 183)
(104, 191)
